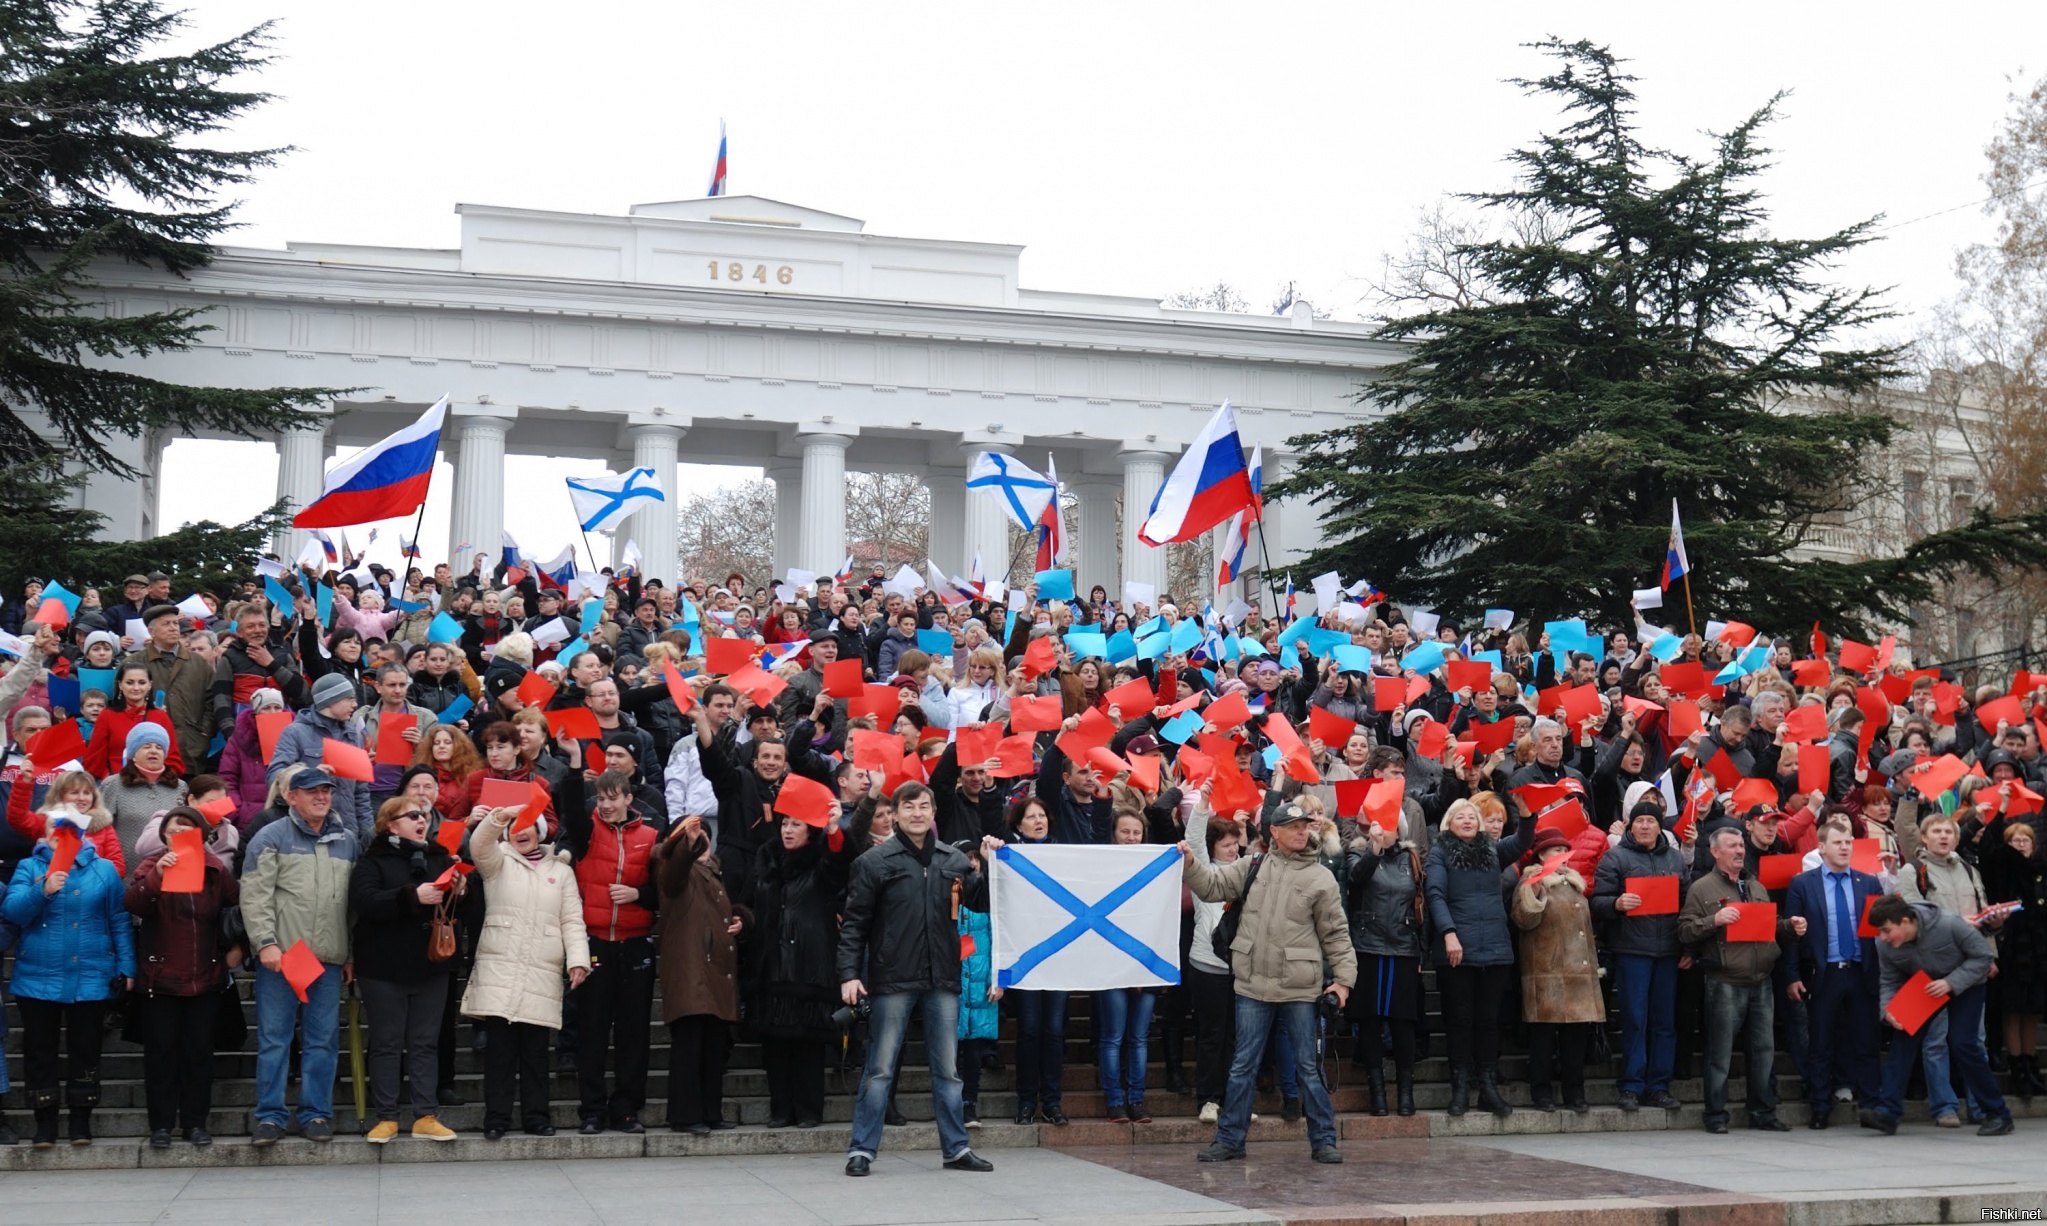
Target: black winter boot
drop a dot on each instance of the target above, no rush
(1375, 1082)
(1460, 1089)
(1489, 1093)
(1404, 1076)
(46, 1127)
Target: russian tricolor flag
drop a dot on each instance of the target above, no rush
(1675, 565)
(1238, 534)
(382, 481)
(1207, 486)
(718, 169)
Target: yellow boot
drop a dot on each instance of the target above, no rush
(384, 1131)
(427, 1128)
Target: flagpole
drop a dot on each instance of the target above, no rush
(586, 546)
(1694, 621)
(405, 564)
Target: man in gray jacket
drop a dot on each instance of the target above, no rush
(1917, 937)
(303, 741)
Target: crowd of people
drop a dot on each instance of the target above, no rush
(486, 799)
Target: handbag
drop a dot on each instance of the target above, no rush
(1225, 934)
(440, 941)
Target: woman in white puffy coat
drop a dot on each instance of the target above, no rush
(532, 928)
(980, 687)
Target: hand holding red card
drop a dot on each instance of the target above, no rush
(1911, 1007)
(1758, 922)
(806, 800)
(187, 873)
(301, 968)
(495, 794)
(392, 747)
(347, 761)
(1658, 895)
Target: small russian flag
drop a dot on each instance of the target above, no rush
(1675, 565)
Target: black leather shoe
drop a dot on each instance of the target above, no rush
(969, 1161)
(1818, 1123)
(858, 1166)
(1768, 1123)
(697, 1130)
(493, 1134)
(321, 1129)
(1290, 1109)
(1629, 1101)
(545, 1130)
(630, 1125)
(160, 1139)
(1218, 1152)
(1055, 1116)
(782, 1121)
(1660, 1098)
(590, 1128)
(1717, 1127)
(198, 1136)
(1328, 1155)
(1885, 1124)
(895, 1118)
(1996, 1126)
(448, 1097)
(1026, 1114)
(724, 1125)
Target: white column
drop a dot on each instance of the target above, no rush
(1144, 471)
(948, 488)
(653, 526)
(821, 540)
(478, 513)
(788, 478)
(1096, 535)
(1281, 518)
(984, 525)
(301, 475)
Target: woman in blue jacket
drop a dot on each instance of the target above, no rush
(76, 940)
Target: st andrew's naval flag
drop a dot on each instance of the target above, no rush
(1085, 918)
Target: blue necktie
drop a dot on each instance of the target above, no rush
(1844, 920)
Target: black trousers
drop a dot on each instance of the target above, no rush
(1558, 1047)
(613, 1009)
(80, 1026)
(1372, 1045)
(795, 1069)
(177, 1058)
(1471, 1010)
(1215, 1031)
(697, 1048)
(451, 1008)
(516, 1054)
(405, 1027)
(968, 1065)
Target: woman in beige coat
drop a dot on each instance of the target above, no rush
(532, 927)
(1559, 971)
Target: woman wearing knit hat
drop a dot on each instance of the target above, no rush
(145, 786)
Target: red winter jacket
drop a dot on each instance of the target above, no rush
(110, 740)
(617, 855)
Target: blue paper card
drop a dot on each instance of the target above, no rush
(1154, 647)
(1182, 728)
(1493, 658)
(1055, 585)
(409, 606)
(1352, 659)
(1251, 646)
(1297, 630)
(1151, 627)
(1666, 647)
(323, 599)
(1085, 643)
(444, 629)
(935, 643)
(1321, 642)
(101, 679)
(1289, 658)
(279, 595)
(1186, 635)
(1272, 756)
(1424, 658)
(593, 615)
(456, 710)
(54, 590)
(63, 693)
(1122, 646)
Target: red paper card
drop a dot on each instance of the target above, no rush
(1234, 790)
(760, 686)
(1687, 678)
(392, 747)
(1038, 658)
(1776, 872)
(574, 724)
(1036, 714)
(1658, 894)
(725, 656)
(1685, 719)
(1758, 922)
(55, 745)
(843, 679)
(217, 810)
(1383, 803)
(1810, 674)
(876, 751)
(1416, 687)
(1388, 693)
(301, 968)
(1864, 928)
(1911, 1007)
(1333, 730)
(1195, 767)
(1548, 701)
(679, 692)
(535, 690)
(1144, 769)
(1895, 687)
(806, 800)
(1867, 856)
(269, 726)
(1805, 724)
(496, 794)
(1857, 657)
(880, 701)
(188, 875)
(1432, 739)
(1750, 793)
(1581, 703)
(53, 613)
(1015, 756)
(1567, 819)
(1105, 761)
(1227, 712)
(1721, 766)
(536, 804)
(449, 836)
(1540, 796)
(1094, 729)
(1131, 699)
(1946, 771)
(64, 844)
(1169, 686)
(2005, 710)
(973, 746)
(347, 761)
(1470, 674)
(1815, 770)
(1490, 737)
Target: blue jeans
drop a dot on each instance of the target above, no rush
(1646, 990)
(1254, 1022)
(1279, 1061)
(1960, 1024)
(1040, 1047)
(1745, 1014)
(1122, 1025)
(885, 1030)
(277, 1012)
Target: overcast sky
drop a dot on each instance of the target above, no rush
(1131, 148)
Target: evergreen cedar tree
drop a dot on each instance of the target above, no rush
(107, 158)
(1629, 352)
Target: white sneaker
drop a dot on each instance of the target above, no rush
(1209, 1112)
(1843, 1094)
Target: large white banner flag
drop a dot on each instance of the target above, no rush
(1081, 918)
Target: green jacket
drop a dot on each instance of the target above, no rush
(295, 886)
(186, 682)
(1292, 924)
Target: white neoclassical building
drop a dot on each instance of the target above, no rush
(742, 330)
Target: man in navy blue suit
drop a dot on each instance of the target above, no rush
(1837, 971)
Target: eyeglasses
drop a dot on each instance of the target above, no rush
(402, 817)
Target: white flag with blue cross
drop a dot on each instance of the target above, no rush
(1085, 918)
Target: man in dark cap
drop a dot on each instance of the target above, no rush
(183, 679)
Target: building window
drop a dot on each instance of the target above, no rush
(1915, 505)
(1962, 500)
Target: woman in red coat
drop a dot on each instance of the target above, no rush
(132, 702)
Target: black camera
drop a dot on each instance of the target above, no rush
(1329, 1006)
(846, 1015)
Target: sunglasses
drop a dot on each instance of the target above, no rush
(403, 817)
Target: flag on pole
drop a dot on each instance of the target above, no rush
(511, 549)
(1022, 492)
(1209, 483)
(718, 168)
(1053, 547)
(382, 481)
(601, 502)
(844, 574)
(1675, 565)
(1237, 537)
(326, 543)
(407, 547)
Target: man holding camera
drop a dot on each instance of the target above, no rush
(1290, 923)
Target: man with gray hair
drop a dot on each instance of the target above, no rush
(1739, 995)
(1548, 766)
